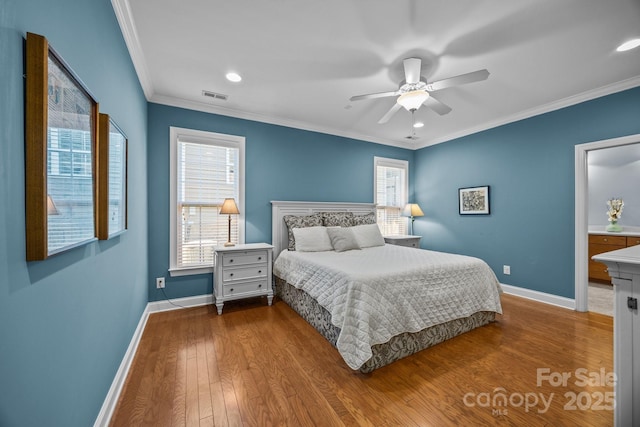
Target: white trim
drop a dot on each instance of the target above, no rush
(124, 16)
(536, 111)
(109, 404)
(581, 211)
(204, 137)
(178, 303)
(111, 400)
(543, 297)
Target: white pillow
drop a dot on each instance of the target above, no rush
(312, 239)
(368, 235)
(342, 238)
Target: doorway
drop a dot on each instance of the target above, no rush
(581, 212)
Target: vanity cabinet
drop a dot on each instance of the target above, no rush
(600, 243)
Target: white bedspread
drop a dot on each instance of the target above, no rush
(376, 293)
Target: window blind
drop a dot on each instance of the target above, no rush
(69, 187)
(206, 175)
(391, 196)
(117, 182)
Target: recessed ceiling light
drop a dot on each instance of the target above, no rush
(631, 44)
(418, 125)
(234, 77)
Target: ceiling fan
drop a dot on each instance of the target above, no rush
(413, 92)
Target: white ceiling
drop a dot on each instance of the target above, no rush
(301, 60)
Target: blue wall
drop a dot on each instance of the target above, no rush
(65, 323)
(530, 167)
(281, 164)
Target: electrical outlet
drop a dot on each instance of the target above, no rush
(506, 269)
(160, 283)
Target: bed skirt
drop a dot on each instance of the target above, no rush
(397, 347)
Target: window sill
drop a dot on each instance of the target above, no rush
(189, 271)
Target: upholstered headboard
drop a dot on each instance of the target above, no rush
(279, 236)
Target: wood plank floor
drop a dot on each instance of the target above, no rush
(260, 366)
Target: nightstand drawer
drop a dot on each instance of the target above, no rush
(244, 257)
(253, 287)
(258, 270)
(408, 241)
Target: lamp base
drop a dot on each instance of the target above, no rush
(229, 244)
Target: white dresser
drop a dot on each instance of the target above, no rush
(623, 266)
(242, 271)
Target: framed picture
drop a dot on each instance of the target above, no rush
(473, 200)
(111, 179)
(60, 140)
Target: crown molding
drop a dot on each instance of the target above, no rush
(124, 16)
(229, 112)
(542, 109)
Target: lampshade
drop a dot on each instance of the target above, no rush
(412, 209)
(51, 207)
(229, 207)
(413, 100)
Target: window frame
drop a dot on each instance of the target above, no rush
(210, 138)
(391, 163)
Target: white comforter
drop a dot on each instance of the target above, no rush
(376, 293)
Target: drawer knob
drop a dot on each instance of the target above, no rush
(231, 290)
(231, 275)
(259, 271)
(259, 258)
(231, 260)
(606, 240)
(260, 285)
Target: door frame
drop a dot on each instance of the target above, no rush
(581, 210)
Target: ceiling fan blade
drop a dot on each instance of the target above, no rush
(462, 79)
(390, 113)
(437, 106)
(412, 70)
(373, 95)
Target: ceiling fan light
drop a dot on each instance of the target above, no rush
(631, 44)
(413, 100)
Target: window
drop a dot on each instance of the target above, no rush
(391, 179)
(206, 168)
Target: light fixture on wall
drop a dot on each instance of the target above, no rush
(412, 210)
(229, 207)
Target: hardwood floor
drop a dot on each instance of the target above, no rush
(259, 366)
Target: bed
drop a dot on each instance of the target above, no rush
(380, 303)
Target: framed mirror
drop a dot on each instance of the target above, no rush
(60, 136)
(112, 179)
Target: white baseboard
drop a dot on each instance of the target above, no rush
(174, 304)
(110, 402)
(109, 405)
(543, 297)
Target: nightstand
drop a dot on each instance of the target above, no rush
(404, 240)
(242, 271)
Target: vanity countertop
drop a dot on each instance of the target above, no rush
(626, 231)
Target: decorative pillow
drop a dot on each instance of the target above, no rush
(369, 218)
(295, 221)
(312, 239)
(342, 239)
(368, 235)
(337, 219)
